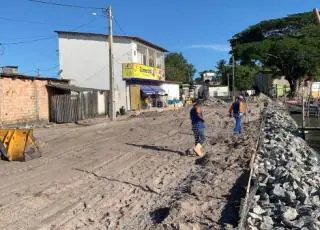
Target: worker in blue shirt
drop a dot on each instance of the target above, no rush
(237, 110)
(197, 123)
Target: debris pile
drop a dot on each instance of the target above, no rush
(216, 102)
(288, 176)
(258, 99)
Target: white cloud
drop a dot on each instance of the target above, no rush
(216, 47)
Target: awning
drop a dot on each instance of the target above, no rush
(157, 90)
(146, 89)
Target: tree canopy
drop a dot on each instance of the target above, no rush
(178, 68)
(244, 75)
(289, 46)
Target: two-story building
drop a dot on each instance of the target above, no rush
(139, 67)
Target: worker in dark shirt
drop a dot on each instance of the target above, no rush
(197, 123)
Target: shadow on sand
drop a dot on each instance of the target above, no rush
(158, 148)
(230, 213)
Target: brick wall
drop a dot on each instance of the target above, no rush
(23, 100)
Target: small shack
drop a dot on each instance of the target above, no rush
(71, 103)
(24, 98)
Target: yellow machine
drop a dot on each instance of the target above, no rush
(18, 145)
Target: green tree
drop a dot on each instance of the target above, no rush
(288, 46)
(223, 71)
(178, 68)
(244, 75)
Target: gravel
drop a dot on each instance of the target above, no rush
(288, 175)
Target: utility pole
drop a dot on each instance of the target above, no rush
(233, 81)
(112, 113)
(303, 114)
(38, 72)
(228, 76)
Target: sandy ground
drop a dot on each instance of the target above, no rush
(130, 174)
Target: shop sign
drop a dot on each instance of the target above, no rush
(133, 70)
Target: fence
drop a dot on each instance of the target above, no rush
(67, 108)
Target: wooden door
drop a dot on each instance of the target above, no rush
(135, 100)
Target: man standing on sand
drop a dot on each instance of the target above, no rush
(237, 110)
(197, 123)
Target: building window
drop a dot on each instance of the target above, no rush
(160, 61)
(142, 55)
(151, 57)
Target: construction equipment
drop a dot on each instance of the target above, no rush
(18, 145)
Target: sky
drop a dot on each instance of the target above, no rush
(199, 29)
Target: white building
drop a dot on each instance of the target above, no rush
(172, 89)
(208, 76)
(138, 65)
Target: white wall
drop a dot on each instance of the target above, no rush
(85, 60)
(173, 90)
(220, 91)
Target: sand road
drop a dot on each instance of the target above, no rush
(130, 174)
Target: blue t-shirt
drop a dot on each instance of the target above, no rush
(236, 107)
(196, 121)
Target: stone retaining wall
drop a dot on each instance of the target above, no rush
(286, 173)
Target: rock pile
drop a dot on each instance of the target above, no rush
(288, 175)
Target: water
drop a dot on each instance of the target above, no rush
(312, 137)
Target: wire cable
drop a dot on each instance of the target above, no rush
(49, 69)
(94, 74)
(43, 38)
(66, 5)
(118, 24)
(32, 21)
(28, 42)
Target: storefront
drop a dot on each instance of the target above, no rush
(146, 94)
(143, 86)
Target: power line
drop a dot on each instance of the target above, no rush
(67, 5)
(29, 41)
(43, 38)
(95, 73)
(50, 68)
(118, 24)
(32, 21)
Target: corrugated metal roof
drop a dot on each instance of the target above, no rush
(74, 88)
(116, 36)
